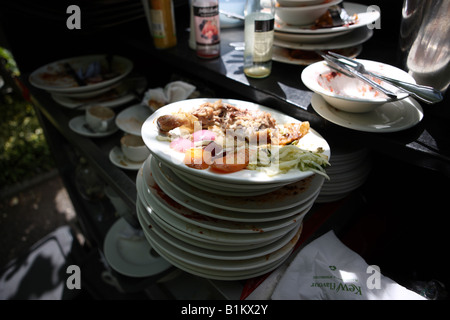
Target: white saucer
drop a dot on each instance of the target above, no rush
(389, 117)
(131, 256)
(78, 123)
(117, 157)
(130, 120)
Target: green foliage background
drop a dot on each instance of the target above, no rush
(24, 152)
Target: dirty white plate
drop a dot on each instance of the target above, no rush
(79, 125)
(130, 120)
(131, 256)
(53, 77)
(311, 141)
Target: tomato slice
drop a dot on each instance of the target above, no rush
(232, 162)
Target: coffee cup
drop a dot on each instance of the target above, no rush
(100, 118)
(134, 148)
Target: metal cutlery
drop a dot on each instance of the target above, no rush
(423, 93)
(348, 71)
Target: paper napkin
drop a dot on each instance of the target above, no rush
(327, 269)
(172, 92)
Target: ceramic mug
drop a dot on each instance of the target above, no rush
(99, 118)
(134, 148)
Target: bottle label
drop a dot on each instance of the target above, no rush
(264, 25)
(263, 41)
(157, 23)
(207, 25)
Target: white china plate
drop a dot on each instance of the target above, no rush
(297, 3)
(53, 78)
(366, 17)
(308, 38)
(389, 117)
(280, 199)
(310, 141)
(72, 103)
(198, 242)
(130, 120)
(218, 237)
(131, 257)
(283, 55)
(221, 191)
(353, 38)
(213, 253)
(222, 265)
(117, 157)
(154, 194)
(78, 124)
(225, 225)
(207, 273)
(256, 187)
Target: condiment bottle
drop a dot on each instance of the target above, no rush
(162, 23)
(258, 36)
(207, 28)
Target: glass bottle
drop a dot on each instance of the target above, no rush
(207, 28)
(162, 23)
(258, 36)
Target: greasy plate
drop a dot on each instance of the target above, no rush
(146, 185)
(286, 197)
(365, 18)
(52, 77)
(310, 141)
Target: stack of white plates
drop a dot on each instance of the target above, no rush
(349, 169)
(222, 238)
(62, 85)
(297, 44)
(221, 226)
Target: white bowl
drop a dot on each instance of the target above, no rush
(305, 15)
(351, 94)
(299, 3)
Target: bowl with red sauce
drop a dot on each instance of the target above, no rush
(351, 94)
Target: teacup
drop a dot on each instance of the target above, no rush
(99, 118)
(134, 148)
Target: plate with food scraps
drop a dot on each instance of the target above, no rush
(152, 193)
(286, 197)
(169, 125)
(158, 244)
(213, 252)
(93, 70)
(366, 17)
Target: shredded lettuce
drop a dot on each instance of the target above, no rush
(275, 160)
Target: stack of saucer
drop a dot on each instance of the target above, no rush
(349, 169)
